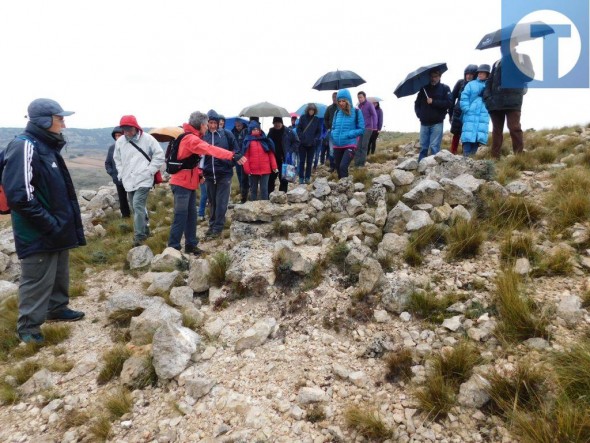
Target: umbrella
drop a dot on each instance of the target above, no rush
(167, 133)
(321, 110)
(264, 109)
(520, 32)
(230, 122)
(334, 80)
(374, 99)
(417, 79)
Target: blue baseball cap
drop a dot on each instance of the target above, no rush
(45, 107)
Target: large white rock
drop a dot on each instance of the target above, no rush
(397, 218)
(308, 395)
(371, 275)
(473, 393)
(129, 301)
(381, 213)
(298, 195)
(172, 348)
(198, 275)
(401, 177)
(391, 246)
(252, 266)
(256, 335)
(169, 260)
(410, 164)
(143, 327)
(240, 231)
(139, 257)
(418, 220)
(321, 188)
(385, 181)
(345, 229)
(196, 383)
(455, 194)
(162, 282)
(427, 191)
(354, 207)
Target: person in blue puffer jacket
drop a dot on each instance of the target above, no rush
(347, 126)
(476, 119)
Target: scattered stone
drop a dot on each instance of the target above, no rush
(256, 335)
(139, 257)
(308, 395)
(473, 393)
(172, 348)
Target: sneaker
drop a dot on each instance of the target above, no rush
(66, 314)
(31, 338)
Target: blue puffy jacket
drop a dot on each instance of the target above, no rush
(346, 128)
(40, 193)
(476, 119)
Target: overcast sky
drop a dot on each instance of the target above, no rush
(161, 60)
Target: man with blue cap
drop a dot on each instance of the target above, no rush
(46, 218)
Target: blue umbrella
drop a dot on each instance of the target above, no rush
(231, 122)
(335, 80)
(519, 32)
(321, 109)
(417, 79)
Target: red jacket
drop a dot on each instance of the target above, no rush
(259, 161)
(193, 144)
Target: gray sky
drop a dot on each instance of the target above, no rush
(161, 60)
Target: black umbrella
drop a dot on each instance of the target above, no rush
(520, 32)
(417, 79)
(334, 80)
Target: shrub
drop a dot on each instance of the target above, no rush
(218, 267)
(464, 239)
(113, 361)
(519, 317)
(367, 423)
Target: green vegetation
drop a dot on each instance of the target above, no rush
(367, 423)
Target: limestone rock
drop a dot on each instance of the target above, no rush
(256, 335)
(321, 188)
(196, 383)
(385, 181)
(375, 194)
(308, 395)
(251, 266)
(143, 327)
(198, 274)
(240, 231)
(182, 296)
(418, 220)
(441, 214)
(391, 246)
(402, 178)
(162, 282)
(395, 297)
(396, 219)
(354, 207)
(298, 195)
(427, 191)
(410, 164)
(41, 380)
(345, 229)
(459, 212)
(473, 393)
(370, 276)
(519, 188)
(455, 194)
(172, 348)
(139, 257)
(381, 213)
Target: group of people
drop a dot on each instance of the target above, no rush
(476, 98)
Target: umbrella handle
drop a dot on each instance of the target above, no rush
(425, 93)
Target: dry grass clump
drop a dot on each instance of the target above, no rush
(218, 266)
(399, 365)
(101, 428)
(524, 389)
(519, 317)
(572, 371)
(436, 396)
(315, 413)
(148, 376)
(558, 263)
(517, 246)
(56, 333)
(367, 423)
(456, 366)
(432, 235)
(113, 361)
(426, 305)
(283, 270)
(508, 213)
(75, 418)
(569, 201)
(78, 289)
(544, 154)
(464, 239)
(122, 318)
(118, 403)
(337, 256)
(8, 318)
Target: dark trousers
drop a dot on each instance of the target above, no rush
(218, 195)
(44, 287)
(283, 184)
(185, 218)
(243, 181)
(305, 161)
(373, 142)
(261, 180)
(342, 159)
(455, 143)
(123, 202)
(513, 119)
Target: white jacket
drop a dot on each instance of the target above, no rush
(134, 169)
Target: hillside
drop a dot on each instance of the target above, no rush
(444, 301)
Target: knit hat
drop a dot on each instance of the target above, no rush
(130, 120)
(42, 109)
(116, 130)
(277, 120)
(253, 125)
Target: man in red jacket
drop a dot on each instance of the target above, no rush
(185, 182)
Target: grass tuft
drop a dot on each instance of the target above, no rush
(399, 365)
(436, 397)
(113, 361)
(456, 366)
(101, 428)
(524, 389)
(571, 369)
(122, 318)
(464, 239)
(218, 267)
(426, 305)
(367, 423)
(118, 403)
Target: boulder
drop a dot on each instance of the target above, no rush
(169, 260)
(381, 213)
(196, 383)
(441, 214)
(143, 327)
(182, 296)
(298, 195)
(375, 194)
(354, 207)
(391, 246)
(371, 275)
(418, 220)
(198, 275)
(345, 229)
(427, 191)
(252, 266)
(240, 231)
(410, 164)
(474, 392)
(321, 188)
(397, 293)
(455, 194)
(402, 178)
(162, 282)
(172, 348)
(396, 219)
(385, 181)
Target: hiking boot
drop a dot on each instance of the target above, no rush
(195, 250)
(31, 338)
(212, 234)
(66, 314)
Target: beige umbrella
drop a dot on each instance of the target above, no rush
(167, 133)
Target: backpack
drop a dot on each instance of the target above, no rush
(173, 165)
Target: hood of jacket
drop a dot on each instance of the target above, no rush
(344, 94)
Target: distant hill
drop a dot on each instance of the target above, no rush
(99, 138)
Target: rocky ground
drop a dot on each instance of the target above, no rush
(255, 367)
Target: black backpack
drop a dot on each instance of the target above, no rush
(173, 165)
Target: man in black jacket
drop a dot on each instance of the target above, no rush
(431, 106)
(46, 218)
(328, 119)
(111, 168)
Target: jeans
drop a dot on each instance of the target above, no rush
(44, 287)
(360, 157)
(470, 149)
(331, 153)
(123, 203)
(138, 200)
(373, 142)
(254, 181)
(185, 218)
(218, 195)
(513, 120)
(305, 160)
(342, 159)
(203, 199)
(430, 139)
